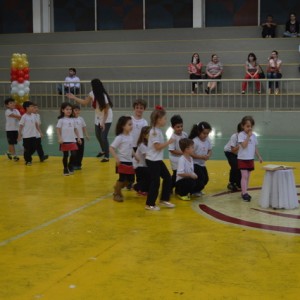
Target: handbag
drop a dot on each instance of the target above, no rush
(261, 73)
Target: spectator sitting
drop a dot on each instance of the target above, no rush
(274, 71)
(194, 70)
(252, 72)
(292, 27)
(214, 70)
(72, 83)
(269, 28)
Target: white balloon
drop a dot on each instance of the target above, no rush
(14, 83)
(21, 93)
(21, 86)
(26, 90)
(26, 83)
(14, 90)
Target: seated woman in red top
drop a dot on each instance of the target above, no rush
(194, 69)
(252, 72)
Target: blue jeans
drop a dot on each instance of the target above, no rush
(101, 136)
(275, 76)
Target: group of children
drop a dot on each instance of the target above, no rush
(138, 150)
(26, 127)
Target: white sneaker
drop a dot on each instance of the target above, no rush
(167, 204)
(150, 207)
(197, 194)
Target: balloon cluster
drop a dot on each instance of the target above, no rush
(19, 76)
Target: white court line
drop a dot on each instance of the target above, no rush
(70, 213)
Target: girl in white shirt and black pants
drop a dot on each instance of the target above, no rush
(154, 161)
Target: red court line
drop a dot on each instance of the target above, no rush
(278, 214)
(237, 221)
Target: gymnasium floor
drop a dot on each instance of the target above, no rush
(65, 238)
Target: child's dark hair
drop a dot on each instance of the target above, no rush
(63, 106)
(141, 102)
(253, 55)
(246, 119)
(185, 143)
(72, 69)
(239, 127)
(26, 104)
(121, 123)
(143, 139)
(157, 113)
(76, 106)
(176, 119)
(8, 100)
(198, 128)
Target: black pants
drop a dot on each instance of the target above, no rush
(194, 76)
(235, 173)
(142, 179)
(186, 186)
(157, 170)
(101, 136)
(39, 148)
(268, 31)
(69, 164)
(29, 145)
(79, 154)
(202, 179)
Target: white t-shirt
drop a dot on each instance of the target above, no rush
(137, 125)
(11, 124)
(99, 115)
(233, 142)
(155, 137)
(123, 144)
(80, 124)
(141, 154)
(247, 153)
(67, 126)
(175, 146)
(38, 122)
(184, 166)
(201, 148)
(28, 121)
(72, 81)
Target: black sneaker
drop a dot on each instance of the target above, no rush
(71, 171)
(105, 159)
(246, 197)
(100, 154)
(16, 158)
(66, 172)
(9, 156)
(207, 91)
(28, 163)
(44, 158)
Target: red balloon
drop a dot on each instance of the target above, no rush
(14, 71)
(20, 73)
(26, 76)
(21, 79)
(20, 109)
(13, 77)
(26, 70)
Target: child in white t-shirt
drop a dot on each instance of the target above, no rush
(231, 149)
(247, 150)
(28, 130)
(82, 131)
(67, 133)
(121, 149)
(140, 166)
(186, 179)
(202, 153)
(174, 149)
(12, 118)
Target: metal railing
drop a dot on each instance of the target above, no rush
(176, 94)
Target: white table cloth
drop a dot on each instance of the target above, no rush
(279, 190)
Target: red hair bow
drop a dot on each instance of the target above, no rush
(158, 107)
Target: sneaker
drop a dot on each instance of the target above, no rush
(167, 204)
(258, 92)
(184, 198)
(276, 91)
(150, 207)
(100, 154)
(9, 156)
(207, 90)
(71, 171)
(66, 172)
(129, 186)
(243, 92)
(44, 158)
(142, 193)
(118, 198)
(28, 163)
(105, 159)
(16, 158)
(246, 197)
(197, 194)
(231, 187)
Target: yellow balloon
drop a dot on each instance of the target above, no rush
(26, 97)
(14, 64)
(20, 66)
(15, 96)
(26, 64)
(24, 55)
